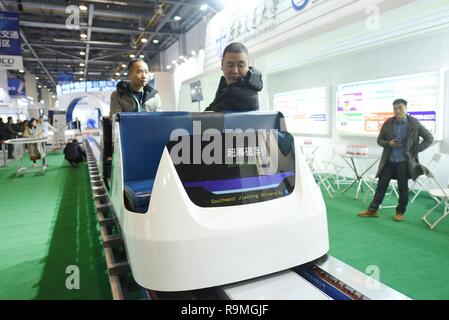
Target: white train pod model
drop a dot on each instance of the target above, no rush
(207, 199)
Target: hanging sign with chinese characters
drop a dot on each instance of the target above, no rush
(10, 46)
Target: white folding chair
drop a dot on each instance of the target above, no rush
(423, 181)
(323, 175)
(334, 164)
(442, 194)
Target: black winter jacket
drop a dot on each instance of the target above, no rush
(242, 96)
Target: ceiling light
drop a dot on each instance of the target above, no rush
(39, 86)
(125, 73)
(144, 40)
(81, 79)
(193, 53)
(81, 64)
(123, 65)
(37, 78)
(21, 71)
(45, 86)
(177, 18)
(53, 96)
(132, 56)
(82, 53)
(155, 41)
(83, 7)
(81, 72)
(204, 7)
(117, 74)
(168, 67)
(141, 56)
(83, 36)
(173, 61)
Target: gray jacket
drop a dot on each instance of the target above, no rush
(122, 100)
(412, 145)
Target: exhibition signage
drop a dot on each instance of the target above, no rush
(10, 45)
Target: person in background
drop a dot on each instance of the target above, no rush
(31, 131)
(73, 153)
(10, 134)
(239, 86)
(42, 128)
(400, 137)
(135, 95)
(2, 133)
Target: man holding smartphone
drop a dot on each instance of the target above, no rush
(400, 137)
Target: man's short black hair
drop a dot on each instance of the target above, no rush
(399, 101)
(235, 47)
(131, 63)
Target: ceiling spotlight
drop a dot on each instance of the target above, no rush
(132, 56)
(81, 64)
(83, 36)
(53, 96)
(204, 7)
(177, 18)
(193, 53)
(123, 65)
(125, 73)
(82, 53)
(144, 40)
(21, 71)
(141, 56)
(173, 61)
(42, 101)
(168, 67)
(117, 74)
(83, 7)
(45, 86)
(81, 79)
(155, 41)
(81, 72)
(39, 86)
(37, 78)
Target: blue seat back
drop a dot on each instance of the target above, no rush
(254, 120)
(144, 135)
(143, 138)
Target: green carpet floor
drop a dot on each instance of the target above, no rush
(411, 258)
(48, 223)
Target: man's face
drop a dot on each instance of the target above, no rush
(400, 111)
(139, 74)
(235, 66)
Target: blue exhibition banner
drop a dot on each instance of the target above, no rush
(16, 88)
(9, 34)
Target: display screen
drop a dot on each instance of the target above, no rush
(363, 107)
(229, 169)
(305, 111)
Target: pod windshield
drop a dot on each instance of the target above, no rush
(227, 169)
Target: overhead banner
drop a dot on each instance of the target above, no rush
(10, 45)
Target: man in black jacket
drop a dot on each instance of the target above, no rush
(73, 153)
(240, 83)
(400, 138)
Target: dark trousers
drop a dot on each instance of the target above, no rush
(10, 151)
(396, 171)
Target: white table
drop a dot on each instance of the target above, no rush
(19, 151)
(358, 177)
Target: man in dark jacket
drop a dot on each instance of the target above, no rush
(400, 138)
(73, 153)
(135, 95)
(239, 86)
(10, 133)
